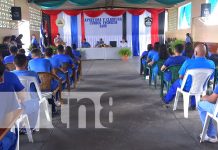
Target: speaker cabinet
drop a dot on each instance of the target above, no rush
(205, 9)
(16, 13)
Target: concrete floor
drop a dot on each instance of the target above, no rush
(140, 122)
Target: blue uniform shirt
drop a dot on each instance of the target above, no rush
(85, 45)
(54, 62)
(171, 61)
(40, 65)
(216, 90)
(9, 59)
(153, 55)
(198, 62)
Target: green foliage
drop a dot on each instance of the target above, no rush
(53, 48)
(174, 43)
(125, 52)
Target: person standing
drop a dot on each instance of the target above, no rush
(19, 42)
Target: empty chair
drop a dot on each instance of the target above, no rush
(200, 79)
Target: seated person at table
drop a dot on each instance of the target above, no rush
(144, 57)
(10, 59)
(11, 83)
(123, 43)
(20, 62)
(208, 104)
(152, 58)
(199, 62)
(99, 43)
(62, 58)
(177, 59)
(85, 44)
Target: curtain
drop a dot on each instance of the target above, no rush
(72, 12)
(54, 28)
(93, 13)
(135, 35)
(188, 10)
(136, 12)
(129, 29)
(67, 30)
(115, 13)
(74, 30)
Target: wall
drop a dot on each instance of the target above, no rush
(199, 31)
(25, 16)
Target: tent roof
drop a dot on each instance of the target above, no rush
(107, 4)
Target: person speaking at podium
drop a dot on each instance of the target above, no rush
(58, 40)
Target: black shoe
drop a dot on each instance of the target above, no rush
(192, 108)
(164, 104)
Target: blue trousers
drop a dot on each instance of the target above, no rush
(203, 108)
(154, 72)
(172, 93)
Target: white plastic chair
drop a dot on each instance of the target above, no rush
(27, 81)
(209, 116)
(200, 79)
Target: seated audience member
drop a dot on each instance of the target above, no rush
(19, 42)
(208, 104)
(214, 57)
(22, 51)
(13, 41)
(144, 57)
(85, 44)
(20, 62)
(39, 64)
(76, 53)
(188, 51)
(177, 59)
(163, 52)
(10, 59)
(62, 58)
(199, 62)
(11, 83)
(99, 43)
(123, 43)
(152, 58)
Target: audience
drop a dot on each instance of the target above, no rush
(199, 62)
(177, 59)
(39, 64)
(152, 58)
(34, 41)
(208, 104)
(214, 57)
(144, 57)
(163, 52)
(189, 51)
(188, 38)
(13, 41)
(11, 83)
(10, 59)
(19, 42)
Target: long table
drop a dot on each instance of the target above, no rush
(100, 53)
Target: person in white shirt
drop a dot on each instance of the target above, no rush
(123, 43)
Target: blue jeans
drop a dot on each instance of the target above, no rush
(172, 93)
(203, 108)
(154, 72)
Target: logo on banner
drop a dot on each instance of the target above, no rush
(148, 21)
(60, 22)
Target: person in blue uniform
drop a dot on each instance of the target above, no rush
(199, 62)
(9, 82)
(152, 58)
(62, 58)
(85, 44)
(177, 59)
(207, 105)
(144, 57)
(10, 59)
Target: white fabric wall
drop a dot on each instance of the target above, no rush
(79, 30)
(144, 32)
(113, 32)
(129, 29)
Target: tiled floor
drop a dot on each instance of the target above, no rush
(139, 120)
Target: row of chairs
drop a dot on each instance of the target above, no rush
(45, 86)
(200, 84)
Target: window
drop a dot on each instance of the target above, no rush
(5, 14)
(184, 16)
(35, 19)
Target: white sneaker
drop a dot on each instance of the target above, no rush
(210, 139)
